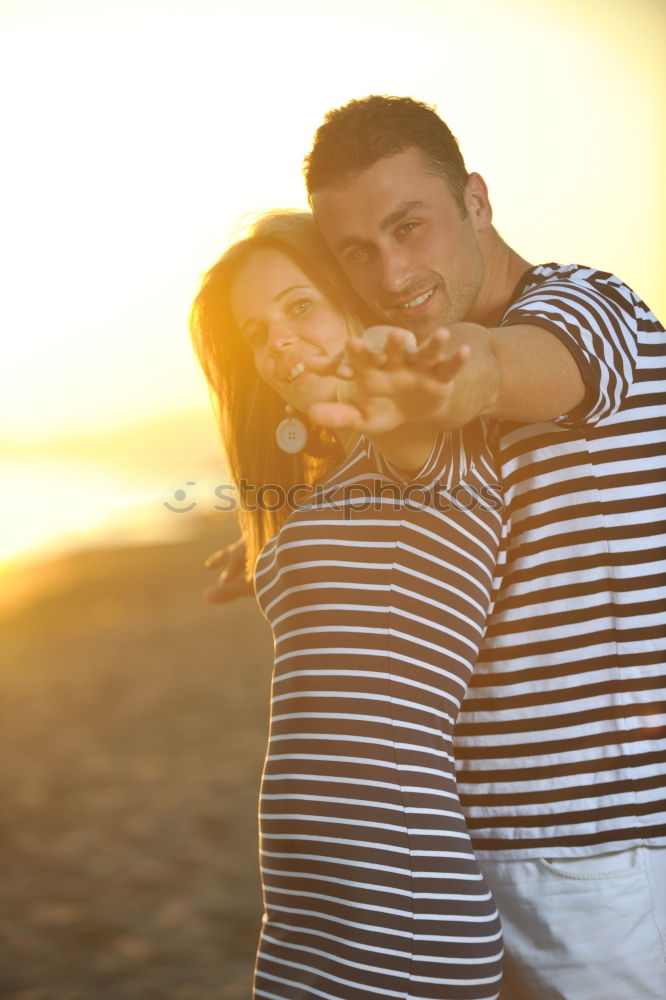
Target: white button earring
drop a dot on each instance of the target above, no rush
(291, 433)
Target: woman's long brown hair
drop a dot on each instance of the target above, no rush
(247, 409)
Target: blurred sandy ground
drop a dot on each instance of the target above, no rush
(132, 733)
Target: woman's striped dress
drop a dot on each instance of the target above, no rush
(377, 596)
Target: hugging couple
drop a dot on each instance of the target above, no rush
(463, 794)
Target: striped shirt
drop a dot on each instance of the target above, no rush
(377, 594)
(561, 744)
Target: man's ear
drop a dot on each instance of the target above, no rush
(477, 203)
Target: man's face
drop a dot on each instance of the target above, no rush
(403, 242)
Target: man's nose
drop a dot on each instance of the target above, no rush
(394, 270)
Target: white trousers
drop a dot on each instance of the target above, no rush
(589, 928)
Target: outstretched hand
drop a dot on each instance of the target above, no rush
(387, 380)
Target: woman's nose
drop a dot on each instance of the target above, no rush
(279, 337)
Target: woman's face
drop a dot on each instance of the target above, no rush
(285, 318)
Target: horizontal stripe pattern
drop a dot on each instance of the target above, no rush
(561, 744)
(371, 887)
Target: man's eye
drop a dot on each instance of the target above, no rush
(357, 255)
(407, 227)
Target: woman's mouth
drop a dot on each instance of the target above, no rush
(297, 370)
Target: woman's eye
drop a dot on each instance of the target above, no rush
(300, 306)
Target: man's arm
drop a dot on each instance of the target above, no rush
(517, 372)
(520, 372)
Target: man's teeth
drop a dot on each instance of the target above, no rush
(296, 371)
(418, 301)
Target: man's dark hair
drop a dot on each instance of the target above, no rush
(353, 137)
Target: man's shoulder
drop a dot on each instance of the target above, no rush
(560, 279)
(573, 289)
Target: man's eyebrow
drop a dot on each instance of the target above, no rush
(386, 223)
(399, 214)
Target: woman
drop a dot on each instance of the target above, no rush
(377, 594)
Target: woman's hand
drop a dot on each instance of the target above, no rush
(231, 583)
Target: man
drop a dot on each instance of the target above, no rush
(561, 745)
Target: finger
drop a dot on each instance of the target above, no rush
(338, 366)
(230, 557)
(217, 559)
(339, 416)
(362, 355)
(384, 347)
(369, 381)
(401, 340)
(445, 371)
(389, 351)
(336, 415)
(400, 347)
(377, 336)
(435, 348)
(324, 365)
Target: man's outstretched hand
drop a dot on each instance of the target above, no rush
(387, 380)
(231, 583)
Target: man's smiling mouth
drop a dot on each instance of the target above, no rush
(420, 301)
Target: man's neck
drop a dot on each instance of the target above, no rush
(503, 270)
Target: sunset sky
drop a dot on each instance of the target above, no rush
(138, 133)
